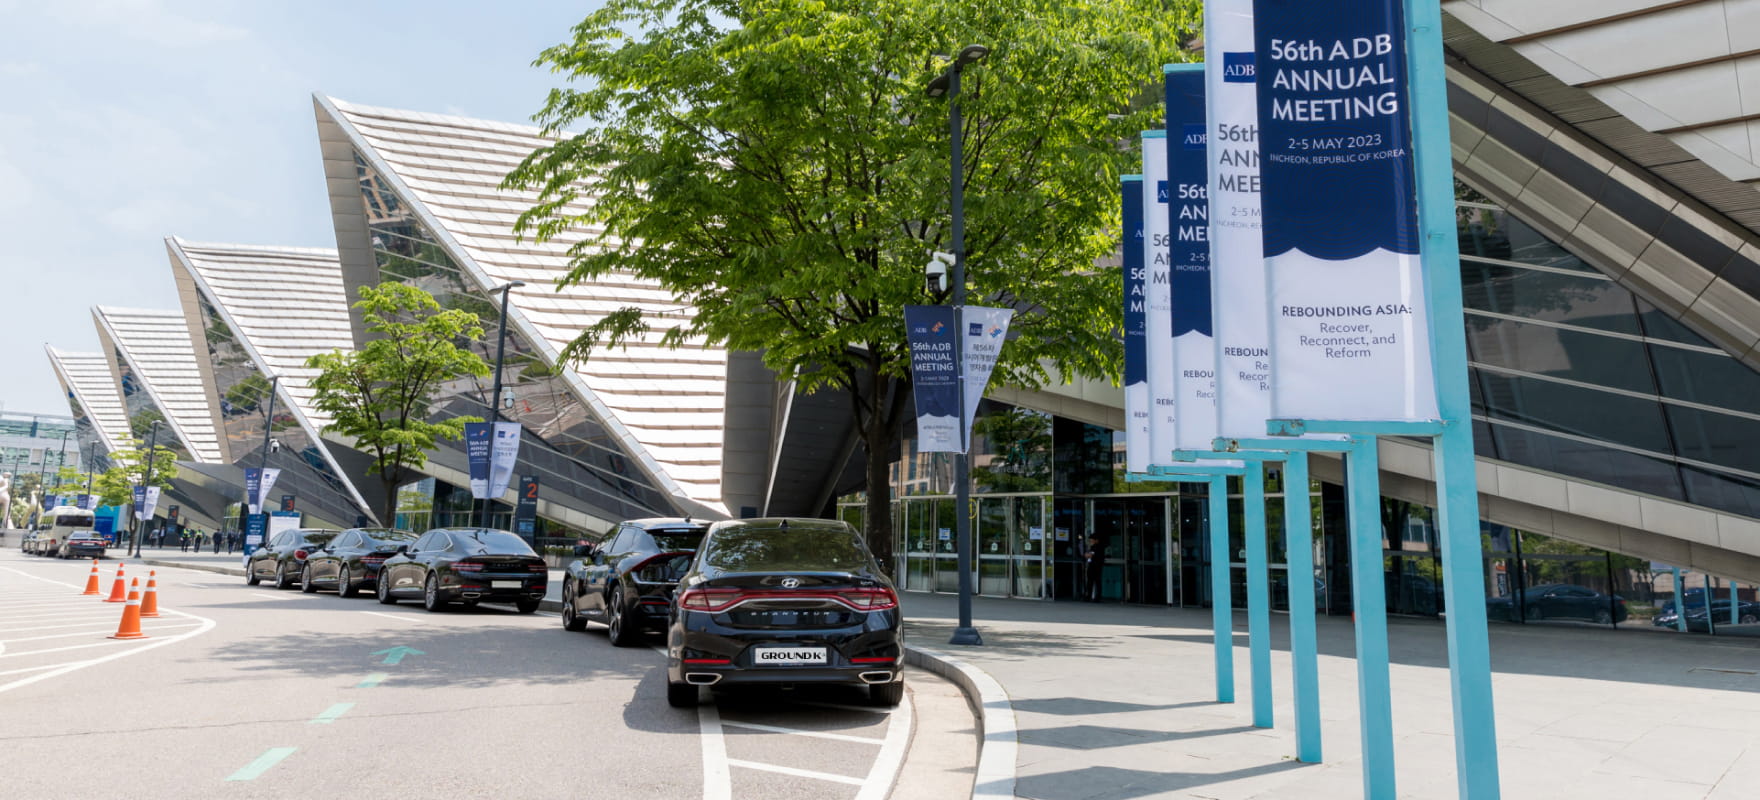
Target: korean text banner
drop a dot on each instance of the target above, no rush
(929, 332)
(1346, 290)
(152, 502)
(268, 484)
(1158, 319)
(1194, 353)
(986, 331)
(502, 457)
(1136, 377)
(1243, 335)
(476, 455)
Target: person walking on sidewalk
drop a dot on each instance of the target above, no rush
(1095, 568)
(216, 538)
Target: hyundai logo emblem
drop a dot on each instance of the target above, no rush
(791, 583)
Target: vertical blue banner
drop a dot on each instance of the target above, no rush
(1136, 296)
(253, 490)
(140, 499)
(476, 454)
(1194, 351)
(929, 332)
(1158, 318)
(1349, 321)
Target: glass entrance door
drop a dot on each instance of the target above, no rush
(991, 534)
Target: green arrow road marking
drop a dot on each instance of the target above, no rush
(372, 680)
(394, 655)
(330, 714)
(262, 764)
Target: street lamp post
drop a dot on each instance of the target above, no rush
(495, 396)
(140, 524)
(947, 84)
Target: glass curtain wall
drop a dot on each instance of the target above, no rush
(564, 443)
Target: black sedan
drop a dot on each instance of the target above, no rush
(628, 582)
(283, 559)
(350, 562)
(1747, 613)
(784, 601)
(468, 564)
(84, 545)
(1559, 601)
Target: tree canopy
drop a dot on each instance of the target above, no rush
(777, 166)
(382, 394)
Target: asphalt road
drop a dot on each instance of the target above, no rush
(252, 692)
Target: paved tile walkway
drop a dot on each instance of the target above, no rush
(1116, 702)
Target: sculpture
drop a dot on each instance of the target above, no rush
(5, 499)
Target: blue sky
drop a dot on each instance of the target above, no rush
(126, 121)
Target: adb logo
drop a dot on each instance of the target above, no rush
(1237, 67)
(1192, 136)
(974, 329)
(1161, 195)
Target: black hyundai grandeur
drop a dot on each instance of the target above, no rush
(469, 564)
(351, 561)
(627, 582)
(784, 601)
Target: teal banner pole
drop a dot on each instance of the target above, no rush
(1680, 608)
(1258, 592)
(1298, 536)
(1221, 601)
(1735, 611)
(1457, 490)
(1369, 603)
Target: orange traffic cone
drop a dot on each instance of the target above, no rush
(150, 600)
(92, 581)
(131, 615)
(117, 588)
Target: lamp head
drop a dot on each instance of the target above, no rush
(970, 54)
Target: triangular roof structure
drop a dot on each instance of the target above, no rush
(154, 363)
(664, 406)
(91, 395)
(263, 311)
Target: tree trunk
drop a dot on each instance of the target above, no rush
(388, 516)
(879, 510)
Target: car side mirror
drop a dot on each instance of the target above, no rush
(403, 548)
(583, 550)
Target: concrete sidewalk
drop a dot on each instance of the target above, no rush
(1117, 702)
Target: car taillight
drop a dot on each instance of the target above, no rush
(710, 600)
(868, 599)
(468, 565)
(300, 554)
(373, 561)
(537, 566)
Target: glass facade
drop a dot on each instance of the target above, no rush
(143, 411)
(565, 444)
(243, 405)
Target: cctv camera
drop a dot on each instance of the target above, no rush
(936, 271)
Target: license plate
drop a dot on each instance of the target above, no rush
(505, 584)
(788, 656)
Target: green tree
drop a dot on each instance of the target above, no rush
(128, 469)
(382, 395)
(778, 166)
(1021, 442)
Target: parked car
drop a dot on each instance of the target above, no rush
(468, 564)
(84, 544)
(1747, 613)
(350, 562)
(628, 582)
(283, 559)
(54, 527)
(1559, 601)
(784, 601)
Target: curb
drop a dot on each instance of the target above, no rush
(237, 572)
(998, 747)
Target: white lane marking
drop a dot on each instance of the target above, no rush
(884, 773)
(71, 647)
(842, 707)
(54, 627)
(839, 737)
(799, 773)
(34, 669)
(144, 628)
(398, 617)
(717, 778)
(37, 619)
(62, 669)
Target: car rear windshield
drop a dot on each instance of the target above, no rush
(320, 538)
(493, 542)
(750, 549)
(86, 535)
(389, 536)
(676, 539)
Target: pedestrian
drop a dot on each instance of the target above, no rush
(183, 542)
(216, 538)
(1096, 568)
(230, 539)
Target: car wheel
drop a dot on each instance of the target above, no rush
(526, 605)
(681, 695)
(617, 628)
(571, 619)
(250, 574)
(1749, 619)
(886, 694)
(1532, 612)
(345, 583)
(431, 595)
(281, 579)
(305, 580)
(382, 589)
(1604, 617)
